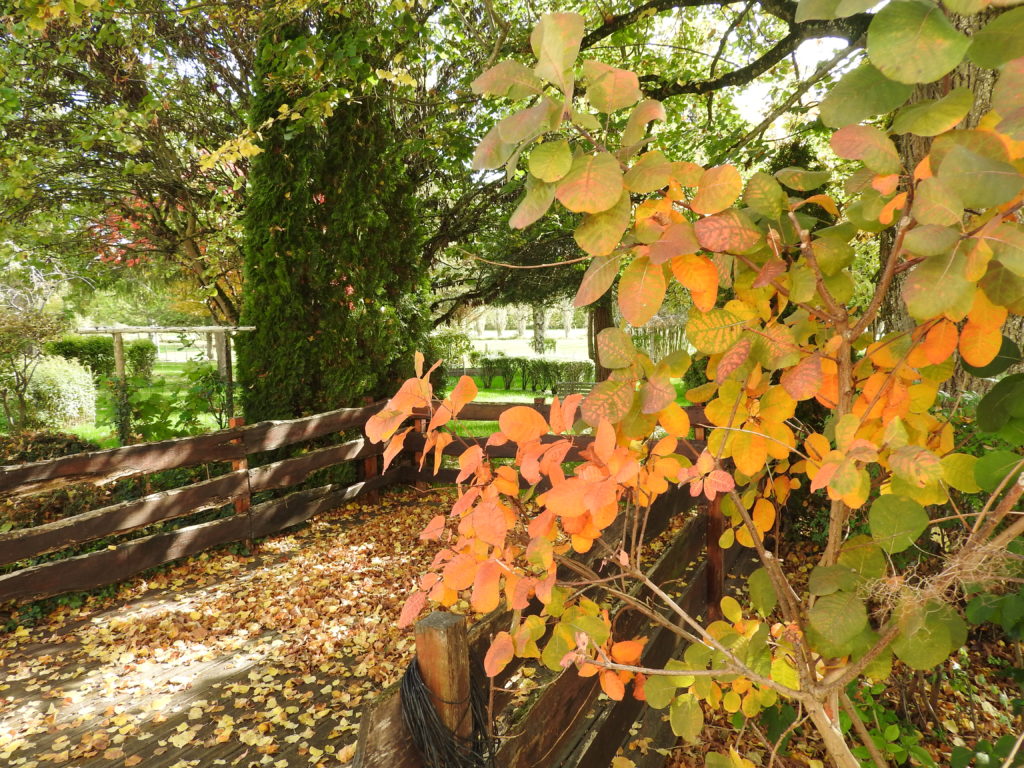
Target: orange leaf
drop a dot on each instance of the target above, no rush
(434, 529)
(463, 392)
(394, 447)
(764, 515)
(699, 275)
(612, 685)
(804, 379)
(940, 342)
(641, 291)
(522, 424)
(718, 189)
(460, 572)
(986, 314)
(566, 498)
(730, 231)
(412, 608)
(501, 652)
(979, 344)
(628, 651)
(469, 461)
(888, 212)
(592, 185)
(597, 279)
(675, 420)
(487, 587)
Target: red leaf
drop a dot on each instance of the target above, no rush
(733, 358)
(804, 379)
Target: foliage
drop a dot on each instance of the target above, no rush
(96, 352)
(61, 394)
(39, 446)
(23, 336)
(787, 333)
(332, 249)
(536, 373)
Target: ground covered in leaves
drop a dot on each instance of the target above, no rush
(224, 659)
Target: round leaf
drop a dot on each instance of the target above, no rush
(934, 116)
(762, 591)
(615, 348)
(994, 408)
(641, 291)
(1001, 39)
(994, 467)
(929, 633)
(862, 556)
(801, 179)
(599, 233)
(912, 41)
(839, 618)
(718, 189)
(867, 144)
(713, 331)
(731, 231)
(593, 184)
(686, 717)
(861, 94)
(1008, 354)
(826, 579)
(551, 160)
(609, 400)
(521, 424)
(896, 522)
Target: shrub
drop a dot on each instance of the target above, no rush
(97, 354)
(575, 371)
(140, 357)
(40, 446)
(94, 352)
(450, 345)
(62, 393)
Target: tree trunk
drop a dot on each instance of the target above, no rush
(835, 742)
(892, 315)
(601, 317)
(540, 328)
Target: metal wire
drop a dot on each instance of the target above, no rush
(438, 745)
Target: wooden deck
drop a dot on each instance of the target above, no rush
(223, 659)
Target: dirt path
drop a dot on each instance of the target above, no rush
(224, 659)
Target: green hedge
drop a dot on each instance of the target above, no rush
(535, 373)
(97, 354)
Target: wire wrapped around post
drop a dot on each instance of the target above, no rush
(439, 746)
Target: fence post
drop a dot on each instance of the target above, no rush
(243, 503)
(442, 652)
(420, 427)
(371, 468)
(716, 558)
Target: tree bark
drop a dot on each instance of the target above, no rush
(540, 328)
(601, 317)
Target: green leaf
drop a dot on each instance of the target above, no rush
(994, 467)
(833, 254)
(809, 10)
(1008, 92)
(1000, 40)
(994, 407)
(556, 44)
(686, 717)
(593, 184)
(534, 205)
(958, 472)
(731, 609)
(934, 116)
(551, 160)
(507, 78)
(714, 331)
(896, 522)
(931, 240)
(1008, 354)
(730, 231)
(928, 634)
(762, 592)
(643, 113)
(615, 348)
(912, 41)
(718, 760)
(826, 579)
(938, 285)
(861, 94)
(801, 179)
(1007, 244)
(839, 617)
(600, 233)
(610, 400)
(867, 144)
(980, 181)
(610, 89)
(764, 195)
(660, 690)
(936, 202)
(650, 172)
(916, 465)
(865, 558)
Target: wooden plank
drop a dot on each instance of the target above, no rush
(415, 442)
(121, 518)
(268, 435)
(108, 566)
(384, 741)
(716, 558)
(124, 462)
(278, 514)
(281, 474)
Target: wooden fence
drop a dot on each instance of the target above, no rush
(553, 725)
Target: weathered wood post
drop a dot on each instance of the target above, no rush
(371, 468)
(420, 427)
(716, 558)
(243, 503)
(442, 652)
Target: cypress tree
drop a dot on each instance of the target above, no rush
(333, 281)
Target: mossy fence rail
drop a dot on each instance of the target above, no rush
(554, 723)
